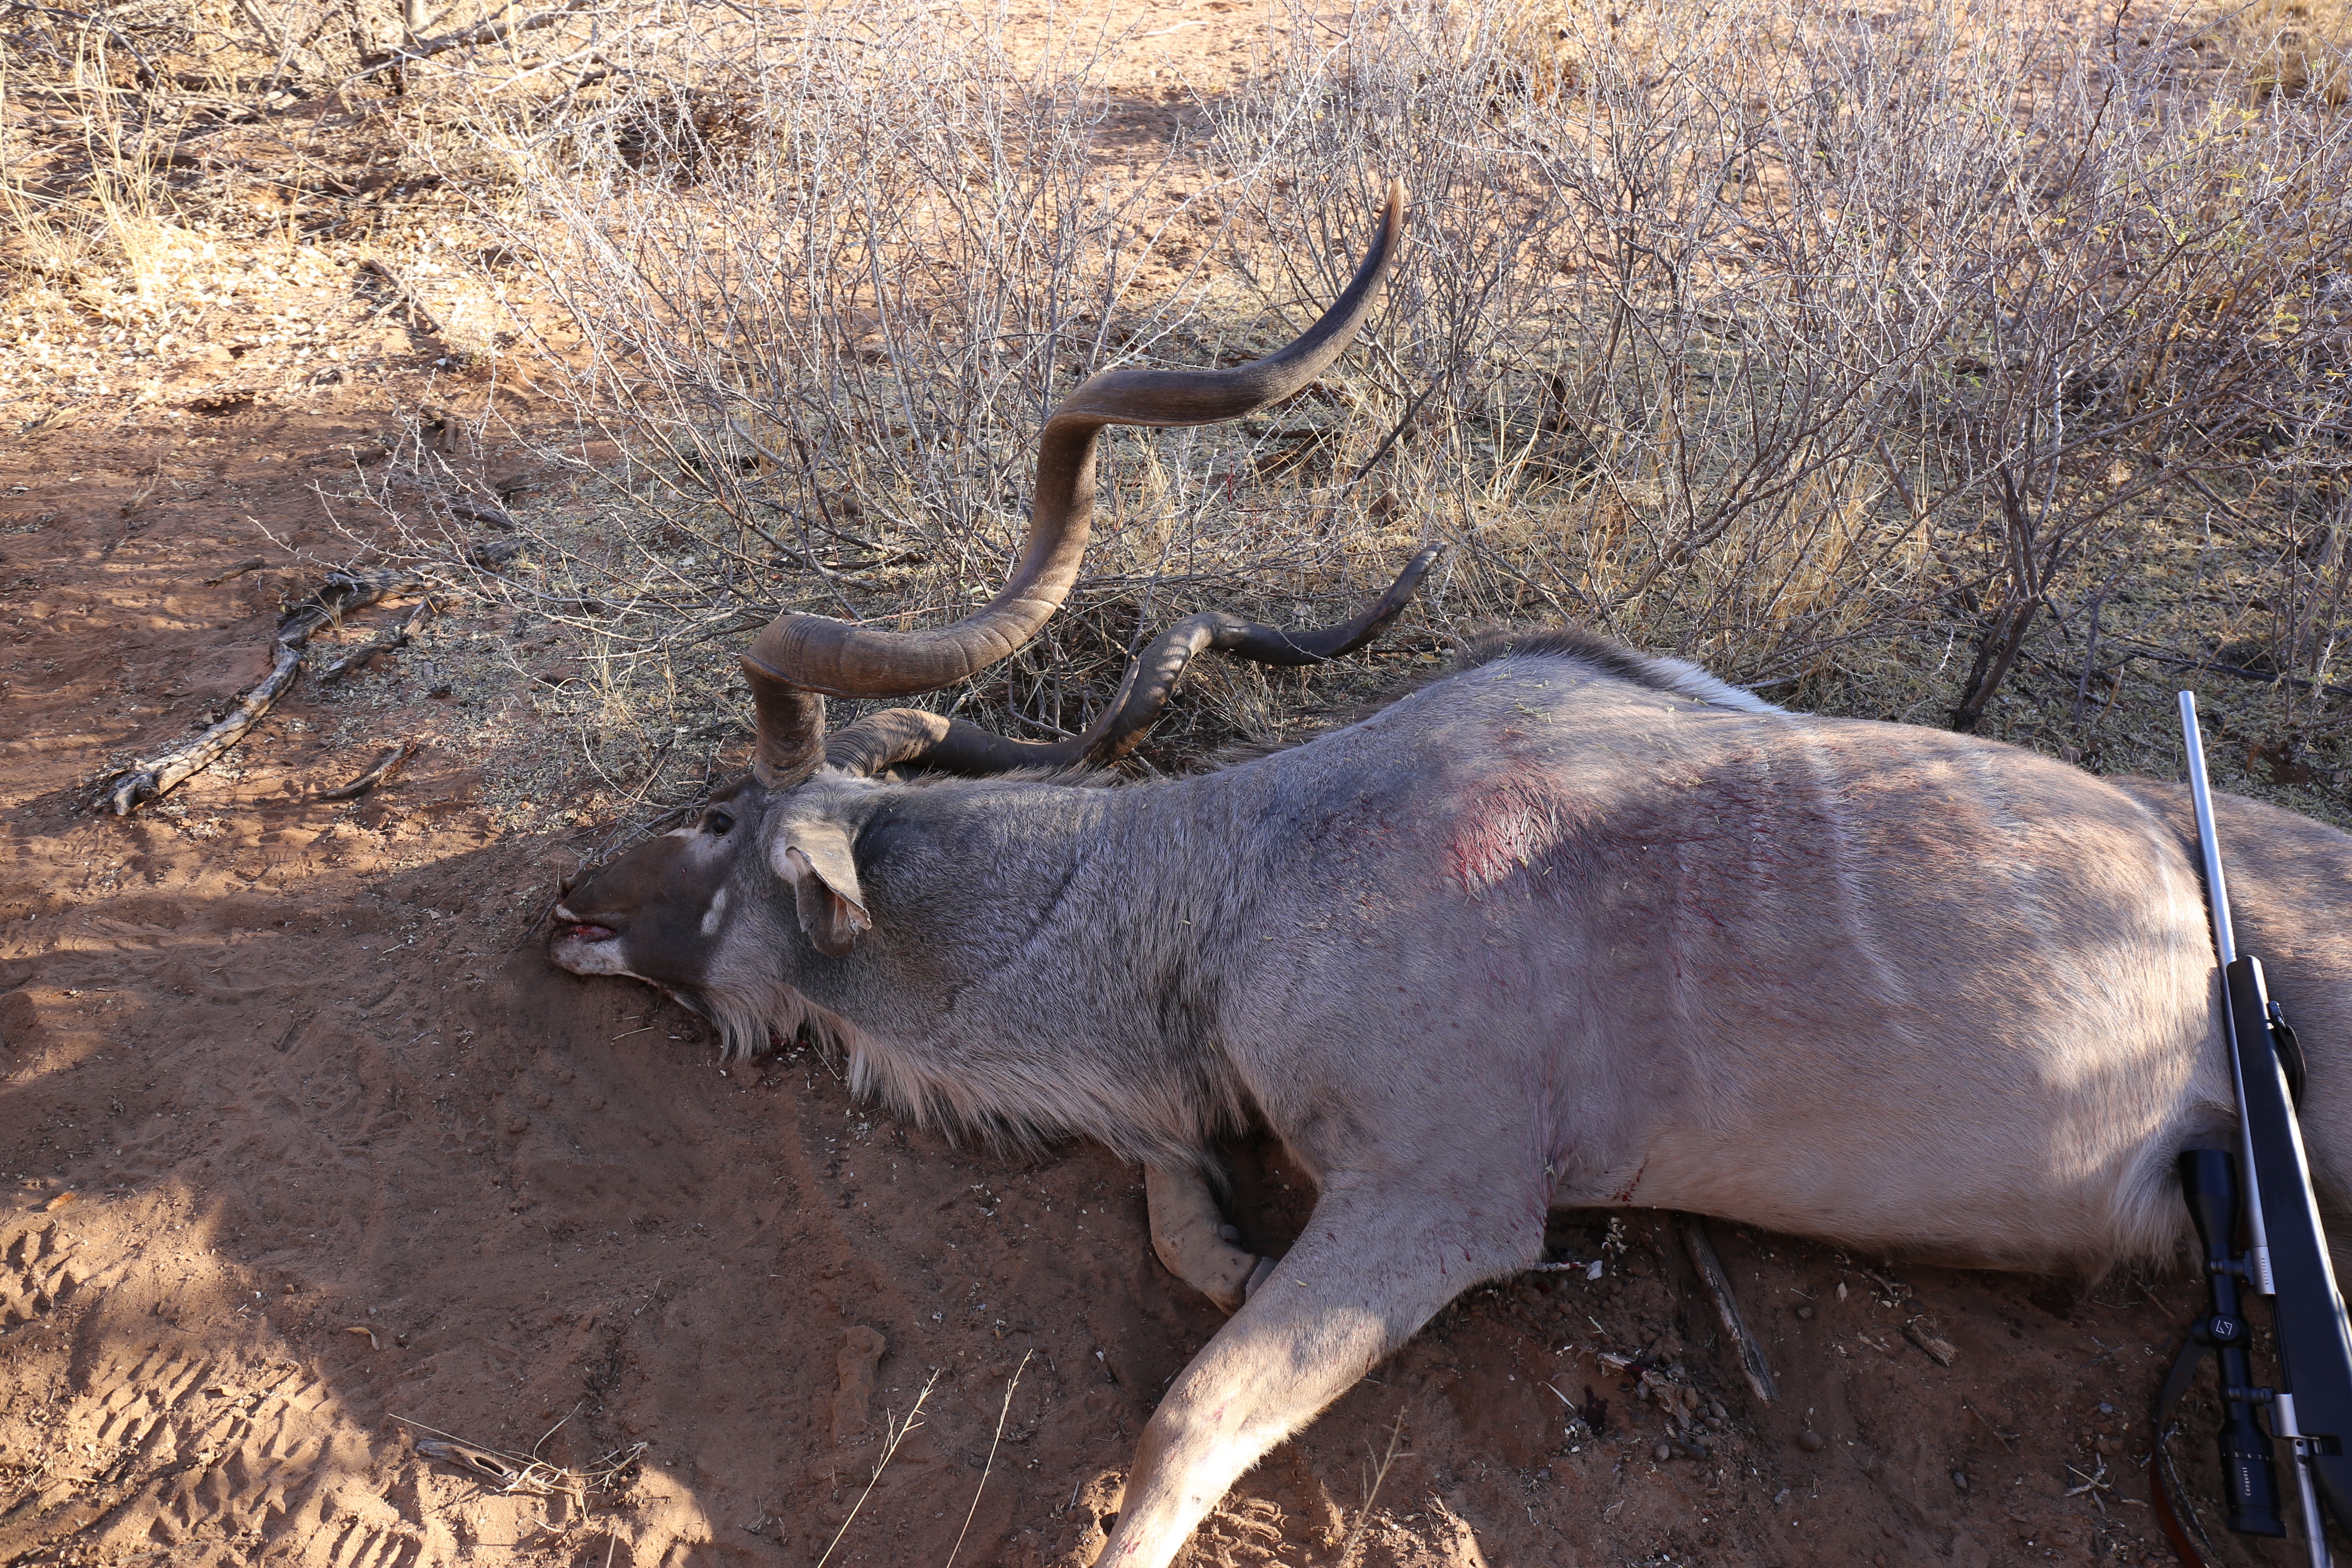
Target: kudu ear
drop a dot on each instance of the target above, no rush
(815, 857)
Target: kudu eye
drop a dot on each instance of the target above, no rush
(715, 823)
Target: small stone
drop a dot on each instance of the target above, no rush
(1960, 1479)
(1663, 1452)
(1805, 1312)
(1811, 1442)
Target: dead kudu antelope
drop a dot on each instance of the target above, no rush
(1572, 927)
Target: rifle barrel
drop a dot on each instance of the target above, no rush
(2217, 899)
(2209, 844)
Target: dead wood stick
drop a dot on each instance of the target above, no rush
(491, 32)
(1726, 1307)
(383, 642)
(379, 771)
(254, 563)
(419, 310)
(2266, 676)
(503, 31)
(148, 780)
(343, 593)
(2004, 1436)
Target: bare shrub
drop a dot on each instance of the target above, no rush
(158, 157)
(1897, 363)
(2287, 47)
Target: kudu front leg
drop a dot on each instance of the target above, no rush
(1372, 1266)
(1190, 1234)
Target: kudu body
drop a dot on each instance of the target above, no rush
(1570, 927)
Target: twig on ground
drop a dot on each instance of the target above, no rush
(2006, 1441)
(343, 593)
(2091, 653)
(2206, 667)
(405, 294)
(491, 32)
(149, 781)
(522, 1472)
(2169, 1483)
(154, 482)
(253, 564)
(2202, 489)
(383, 642)
(1727, 1308)
(2096, 1485)
(1397, 430)
(379, 771)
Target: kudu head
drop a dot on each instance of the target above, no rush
(772, 850)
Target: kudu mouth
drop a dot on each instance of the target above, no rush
(800, 660)
(571, 927)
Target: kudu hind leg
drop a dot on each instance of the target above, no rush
(1189, 1234)
(1372, 1268)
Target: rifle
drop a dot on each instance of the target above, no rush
(2263, 1192)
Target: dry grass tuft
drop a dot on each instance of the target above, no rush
(1375, 1473)
(896, 1433)
(527, 1474)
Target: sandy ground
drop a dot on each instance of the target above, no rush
(311, 1156)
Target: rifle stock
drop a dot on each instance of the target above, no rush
(2286, 1258)
(2314, 1349)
